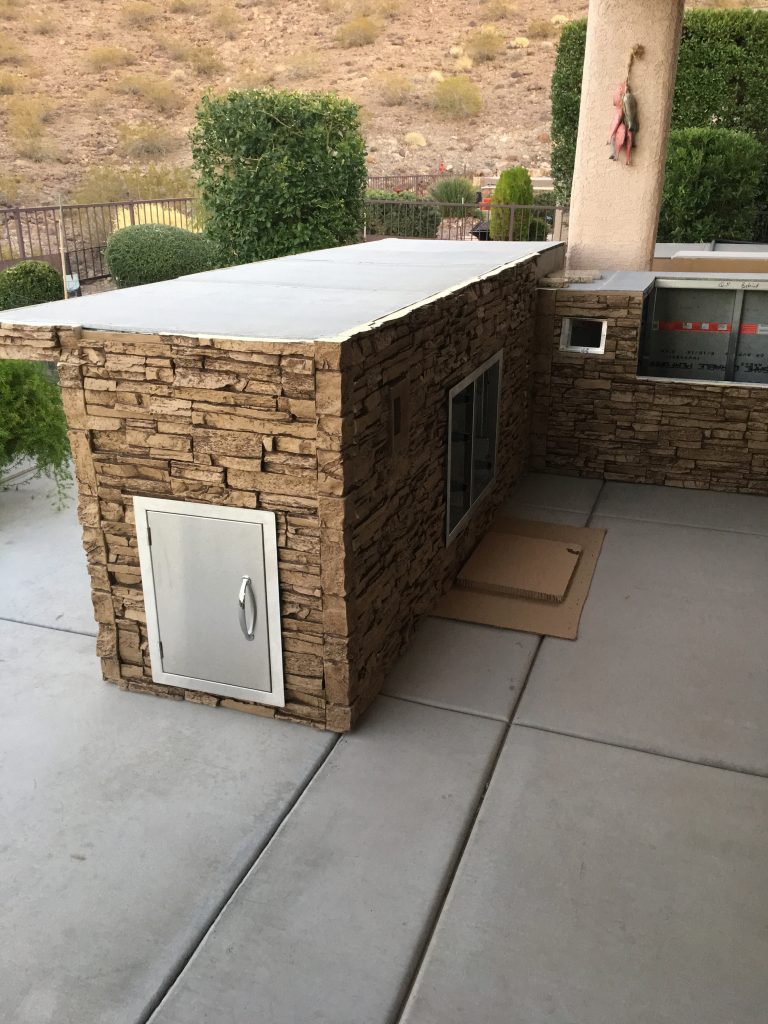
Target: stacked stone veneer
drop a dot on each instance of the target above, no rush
(393, 511)
(594, 417)
(302, 429)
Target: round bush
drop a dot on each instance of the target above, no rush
(145, 253)
(406, 215)
(28, 283)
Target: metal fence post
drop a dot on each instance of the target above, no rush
(132, 212)
(511, 222)
(19, 233)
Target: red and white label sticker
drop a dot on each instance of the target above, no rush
(754, 329)
(704, 326)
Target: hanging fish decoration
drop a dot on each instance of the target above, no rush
(625, 124)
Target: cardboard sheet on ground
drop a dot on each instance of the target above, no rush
(526, 575)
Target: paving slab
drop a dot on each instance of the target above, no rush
(550, 490)
(125, 821)
(330, 923)
(465, 667)
(43, 572)
(670, 655)
(742, 513)
(522, 510)
(601, 886)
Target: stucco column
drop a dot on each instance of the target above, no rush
(614, 208)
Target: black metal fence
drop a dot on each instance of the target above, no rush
(418, 183)
(34, 232)
(464, 222)
(37, 232)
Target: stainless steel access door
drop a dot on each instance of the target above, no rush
(210, 585)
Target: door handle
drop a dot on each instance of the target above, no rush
(246, 591)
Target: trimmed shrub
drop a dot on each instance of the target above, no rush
(279, 172)
(32, 422)
(513, 187)
(405, 216)
(711, 185)
(457, 97)
(721, 82)
(454, 192)
(155, 252)
(28, 283)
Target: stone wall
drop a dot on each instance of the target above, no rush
(391, 495)
(301, 429)
(226, 422)
(594, 417)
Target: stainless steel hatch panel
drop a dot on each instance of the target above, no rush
(688, 334)
(210, 583)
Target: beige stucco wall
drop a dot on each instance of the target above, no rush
(614, 208)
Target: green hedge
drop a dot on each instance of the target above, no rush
(566, 103)
(721, 81)
(144, 253)
(28, 283)
(711, 186)
(32, 422)
(279, 172)
(406, 215)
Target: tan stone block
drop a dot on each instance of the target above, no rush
(338, 718)
(227, 442)
(205, 379)
(103, 610)
(170, 442)
(196, 697)
(106, 642)
(287, 485)
(110, 669)
(103, 423)
(250, 709)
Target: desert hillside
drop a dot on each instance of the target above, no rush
(88, 83)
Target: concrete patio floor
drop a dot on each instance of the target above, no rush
(521, 830)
